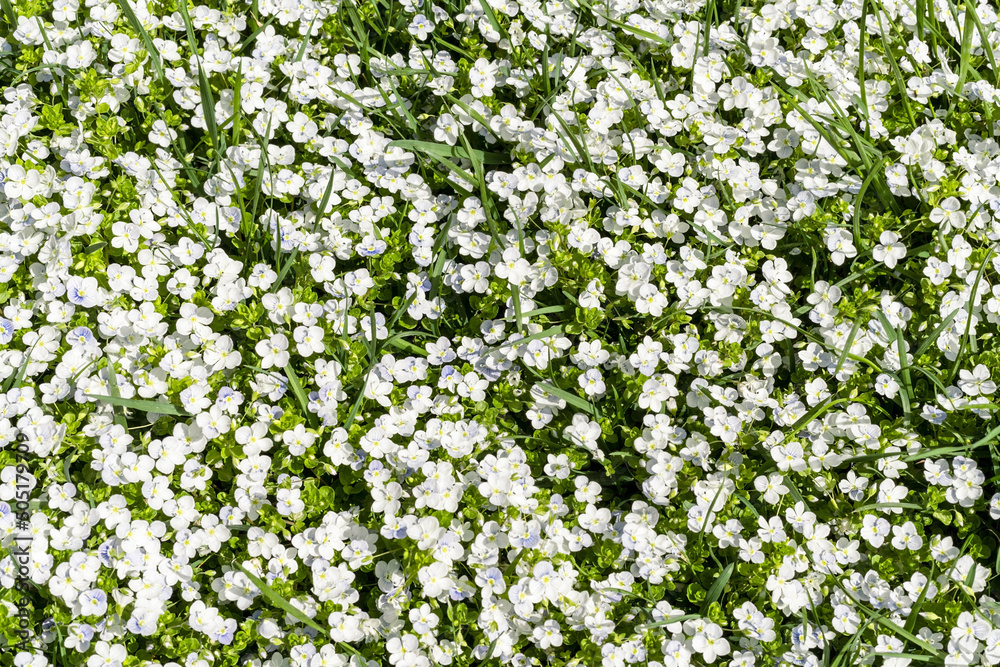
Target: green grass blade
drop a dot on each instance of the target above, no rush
(274, 598)
(113, 387)
(444, 150)
(14, 381)
(968, 310)
(847, 345)
(320, 212)
(300, 395)
(963, 68)
(205, 88)
(155, 407)
(252, 36)
(896, 73)
(570, 398)
(492, 17)
(237, 117)
(136, 24)
(862, 34)
(715, 592)
(9, 14)
(859, 239)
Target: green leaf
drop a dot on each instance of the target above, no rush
(715, 592)
(963, 68)
(113, 386)
(444, 150)
(300, 394)
(14, 381)
(669, 621)
(286, 606)
(848, 344)
(205, 88)
(492, 16)
(155, 407)
(280, 602)
(9, 14)
(881, 620)
(878, 506)
(570, 398)
(252, 36)
(136, 25)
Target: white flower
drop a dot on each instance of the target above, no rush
(420, 27)
(889, 249)
(273, 351)
(906, 537)
(289, 502)
(80, 56)
(976, 382)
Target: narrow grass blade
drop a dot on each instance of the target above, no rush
(9, 14)
(136, 24)
(444, 150)
(14, 381)
(933, 336)
(238, 105)
(492, 17)
(963, 68)
(847, 345)
(300, 395)
(274, 598)
(862, 34)
(155, 407)
(889, 625)
(320, 212)
(670, 621)
(205, 88)
(715, 592)
(113, 387)
(570, 398)
(968, 310)
(280, 602)
(252, 36)
(859, 239)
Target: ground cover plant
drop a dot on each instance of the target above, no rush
(577, 332)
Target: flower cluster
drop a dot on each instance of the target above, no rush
(357, 333)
